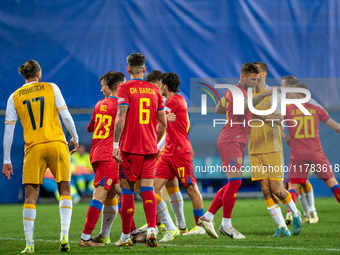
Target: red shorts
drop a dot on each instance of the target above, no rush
(138, 166)
(229, 151)
(105, 173)
(299, 170)
(180, 166)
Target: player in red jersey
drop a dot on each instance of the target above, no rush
(306, 153)
(176, 160)
(106, 180)
(140, 107)
(231, 144)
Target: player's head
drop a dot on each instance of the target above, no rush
(263, 68)
(170, 83)
(249, 75)
(298, 95)
(136, 64)
(155, 77)
(30, 69)
(110, 82)
(289, 81)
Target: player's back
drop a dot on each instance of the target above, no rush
(36, 107)
(144, 100)
(177, 132)
(103, 117)
(236, 129)
(304, 136)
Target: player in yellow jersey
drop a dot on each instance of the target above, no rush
(266, 159)
(37, 104)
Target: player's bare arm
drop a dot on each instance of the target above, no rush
(333, 124)
(119, 127)
(161, 124)
(259, 98)
(220, 109)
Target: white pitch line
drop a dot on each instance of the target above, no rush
(205, 246)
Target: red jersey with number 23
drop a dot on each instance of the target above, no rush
(103, 120)
(144, 100)
(236, 129)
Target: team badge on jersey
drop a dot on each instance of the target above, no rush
(264, 104)
(109, 182)
(239, 160)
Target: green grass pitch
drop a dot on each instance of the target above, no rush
(250, 217)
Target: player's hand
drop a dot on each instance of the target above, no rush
(171, 117)
(76, 146)
(7, 170)
(269, 92)
(117, 156)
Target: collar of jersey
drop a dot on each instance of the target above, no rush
(138, 79)
(112, 97)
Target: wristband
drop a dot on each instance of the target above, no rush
(116, 145)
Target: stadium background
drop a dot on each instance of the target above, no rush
(77, 41)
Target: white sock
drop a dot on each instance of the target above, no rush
(291, 206)
(303, 203)
(123, 237)
(108, 216)
(150, 230)
(276, 213)
(29, 215)
(176, 202)
(209, 216)
(226, 223)
(310, 200)
(65, 209)
(164, 216)
(85, 237)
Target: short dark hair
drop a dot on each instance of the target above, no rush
(29, 69)
(112, 79)
(172, 81)
(290, 80)
(154, 76)
(249, 68)
(136, 62)
(263, 66)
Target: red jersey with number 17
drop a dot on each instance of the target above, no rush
(236, 129)
(304, 136)
(102, 124)
(144, 100)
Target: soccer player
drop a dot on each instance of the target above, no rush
(106, 180)
(136, 134)
(177, 158)
(305, 192)
(37, 104)
(306, 153)
(231, 144)
(266, 160)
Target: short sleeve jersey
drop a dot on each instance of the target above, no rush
(103, 118)
(37, 105)
(232, 132)
(265, 138)
(177, 132)
(304, 136)
(144, 100)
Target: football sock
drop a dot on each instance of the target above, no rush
(226, 223)
(127, 210)
(163, 214)
(176, 203)
(65, 210)
(293, 194)
(109, 214)
(308, 190)
(93, 213)
(29, 215)
(216, 204)
(133, 227)
(197, 214)
(274, 209)
(150, 205)
(229, 196)
(336, 192)
(303, 201)
(290, 205)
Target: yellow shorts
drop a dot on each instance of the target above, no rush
(267, 166)
(38, 158)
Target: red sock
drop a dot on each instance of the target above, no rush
(127, 210)
(92, 216)
(229, 196)
(217, 202)
(133, 226)
(336, 192)
(293, 193)
(150, 205)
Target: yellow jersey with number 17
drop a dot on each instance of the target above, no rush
(37, 105)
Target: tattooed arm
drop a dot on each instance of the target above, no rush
(119, 126)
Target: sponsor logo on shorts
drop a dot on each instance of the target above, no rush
(148, 202)
(109, 182)
(239, 160)
(130, 210)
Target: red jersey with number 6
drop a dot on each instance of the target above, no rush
(144, 100)
(102, 125)
(304, 136)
